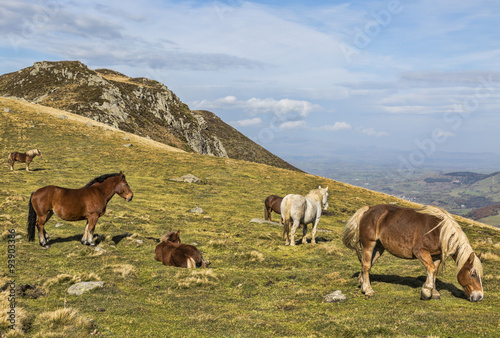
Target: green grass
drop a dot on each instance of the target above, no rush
(255, 285)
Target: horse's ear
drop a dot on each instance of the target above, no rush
(178, 232)
(319, 187)
(326, 189)
(471, 258)
(480, 255)
(121, 172)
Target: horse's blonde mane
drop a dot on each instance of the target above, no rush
(452, 238)
(33, 152)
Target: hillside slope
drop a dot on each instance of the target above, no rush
(255, 287)
(138, 105)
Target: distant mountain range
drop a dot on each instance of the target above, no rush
(138, 105)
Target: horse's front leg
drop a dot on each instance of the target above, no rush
(88, 235)
(304, 233)
(314, 230)
(429, 285)
(366, 264)
(435, 294)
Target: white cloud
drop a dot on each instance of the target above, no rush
(247, 122)
(292, 125)
(337, 126)
(372, 132)
(254, 105)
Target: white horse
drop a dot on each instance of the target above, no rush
(298, 209)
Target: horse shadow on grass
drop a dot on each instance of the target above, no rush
(318, 240)
(416, 283)
(77, 238)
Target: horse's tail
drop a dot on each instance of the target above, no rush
(31, 221)
(351, 231)
(191, 264)
(265, 210)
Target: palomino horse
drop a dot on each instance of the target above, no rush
(298, 209)
(272, 203)
(23, 157)
(429, 234)
(171, 252)
(87, 203)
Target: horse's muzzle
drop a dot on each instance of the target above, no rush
(476, 296)
(129, 198)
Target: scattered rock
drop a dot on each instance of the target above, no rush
(262, 221)
(99, 249)
(128, 145)
(63, 117)
(139, 241)
(197, 210)
(79, 288)
(59, 224)
(6, 110)
(334, 297)
(189, 178)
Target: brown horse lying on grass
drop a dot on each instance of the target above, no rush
(428, 234)
(23, 157)
(272, 203)
(172, 253)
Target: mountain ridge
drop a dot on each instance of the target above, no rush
(139, 105)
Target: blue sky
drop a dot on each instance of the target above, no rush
(295, 76)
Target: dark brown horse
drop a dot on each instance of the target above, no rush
(429, 234)
(272, 203)
(172, 253)
(87, 203)
(23, 157)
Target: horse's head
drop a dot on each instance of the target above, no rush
(123, 189)
(469, 277)
(324, 201)
(171, 236)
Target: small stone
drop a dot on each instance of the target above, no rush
(197, 210)
(334, 297)
(79, 288)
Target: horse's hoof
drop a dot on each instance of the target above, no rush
(45, 247)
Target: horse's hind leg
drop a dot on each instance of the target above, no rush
(42, 234)
(296, 224)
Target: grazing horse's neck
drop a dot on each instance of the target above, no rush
(107, 188)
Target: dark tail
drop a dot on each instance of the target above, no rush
(31, 221)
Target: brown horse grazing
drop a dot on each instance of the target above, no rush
(272, 203)
(87, 203)
(428, 234)
(172, 253)
(23, 157)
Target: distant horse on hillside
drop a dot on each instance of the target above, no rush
(272, 203)
(87, 203)
(428, 234)
(23, 157)
(297, 209)
(171, 252)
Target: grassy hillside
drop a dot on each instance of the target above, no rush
(255, 285)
